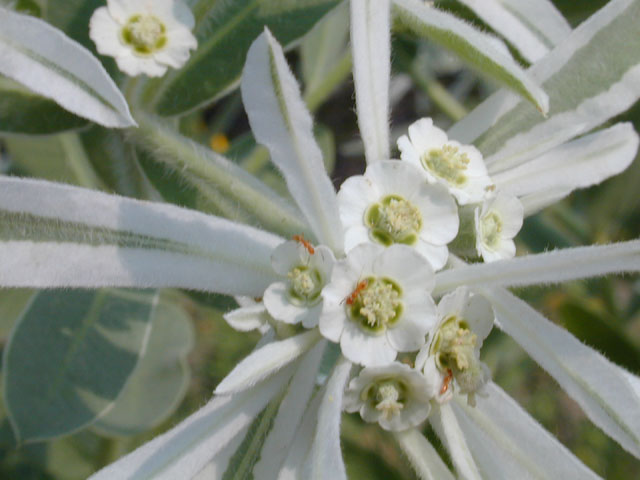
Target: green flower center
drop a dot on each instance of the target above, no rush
(455, 345)
(394, 220)
(447, 163)
(491, 228)
(145, 34)
(386, 395)
(378, 305)
(305, 285)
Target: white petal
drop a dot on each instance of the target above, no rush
(245, 319)
(408, 335)
(278, 303)
(356, 194)
(280, 121)
(265, 361)
(406, 266)
(394, 177)
(439, 214)
(364, 348)
(105, 33)
(550, 267)
(133, 65)
(437, 255)
(177, 51)
(355, 236)
(504, 249)
(185, 450)
(371, 44)
(289, 255)
(425, 136)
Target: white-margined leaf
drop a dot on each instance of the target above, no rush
(541, 17)
(423, 457)
(371, 45)
(596, 384)
(580, 163)
(44, 59)
(542, 268)
(54, 378)
(507, 442)
(591, 77)
(471, 45)
(185, 450)
(55, 235)
(264, 362)
(280, 121)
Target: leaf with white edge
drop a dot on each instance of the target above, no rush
(54, 378)
(247, 318)
(508, 443)
(371, 45)
(280, 121)
(550, 267)
(591, 77)
(520, 35)
(188, 448)
(44, 59)
(290, 413)
(265, 361)
(446, 425)
(423, 457)
(22, 111)
(597, 385)
(225, 31)
(160, 379)
(541, 17)
(325, 457)
(55, 235)
(472, 46)
(577, 164)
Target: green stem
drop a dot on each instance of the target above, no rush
(439, 95)
(316, 97)
(194, 161)
(78, 161)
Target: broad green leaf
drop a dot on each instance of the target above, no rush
(590, 78)
(12, 303)
(56, 235)
(48, 62)
(472, 46)
(69, 357)
(160, 380)
(59, 158)
(224, 35)
(23, 111)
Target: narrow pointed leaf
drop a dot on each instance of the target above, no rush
(371, 45)
(590, 78)
(60, 236)
(265, 361)
(290, 413)
(549, 267)
(280, 121)
(187, 449)
(423, 457)
(48, 62)
(225, 31)
(325, 458)
(473, 46)
(508, 443)
(495, 14)
(446, 426)
(160, 379)
(598, 386)
(54, 378)
(577, 164)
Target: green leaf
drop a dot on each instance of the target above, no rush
(224, 35)
(22, 111)
(160, 380)
(12, 302)
(69, 358)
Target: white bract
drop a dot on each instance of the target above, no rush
(377, 303)
(392, 204)
(497, 222)
(458, 167)
(306, 270)
(144, 36)
(453, 352)
(396, 396)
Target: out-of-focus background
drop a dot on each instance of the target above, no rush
(603, 313)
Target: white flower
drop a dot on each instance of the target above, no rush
(377, 303)
(396, 396)
(391, 204)
(459, 167)
(496, 223)
(453, 353)
(144, 36)
(297, 299)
